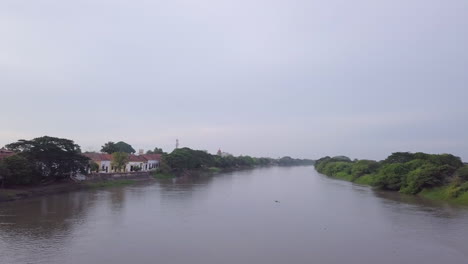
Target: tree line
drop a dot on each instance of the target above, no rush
(48, 159)
(405, 172)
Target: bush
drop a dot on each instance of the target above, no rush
(391, 176)
(462, 173)
(428, 175)
(363, 167)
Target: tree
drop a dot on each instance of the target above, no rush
(363, 167)
(93, 166)
(462, 173)
(399, 157)
(119, 160)
(17, 170)
(4, 173)
(391, 176)
(155, 151)
(111, 147)
(51, 157)
(186, 158)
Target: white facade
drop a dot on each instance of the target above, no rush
(105, 166)
(153, 165)
(131, 165)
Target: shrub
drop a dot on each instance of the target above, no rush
(363, 167)
(428, 175)
(391, 176)
(462, 173)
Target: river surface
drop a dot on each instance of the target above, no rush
(234, 218)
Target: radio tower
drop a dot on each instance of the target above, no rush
(177, 143)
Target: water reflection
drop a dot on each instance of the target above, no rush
(44, 217)
(414, 203)
(232, 218)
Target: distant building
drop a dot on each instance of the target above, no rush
(153, 161)
(103, 160)
(147, 162)
(4, 153)
(136, 163)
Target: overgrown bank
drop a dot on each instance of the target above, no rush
(439, 177)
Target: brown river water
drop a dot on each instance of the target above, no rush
(234, 218)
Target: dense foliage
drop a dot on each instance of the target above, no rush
(186, 158)
(155, 151)
(44, 158)
(119, 160)
(402, 171)
(111, 147)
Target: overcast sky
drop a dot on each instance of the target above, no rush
(304, 78)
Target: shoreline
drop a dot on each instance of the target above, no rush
(439, 194)
(23, 193)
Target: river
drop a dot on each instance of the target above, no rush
(267, 215)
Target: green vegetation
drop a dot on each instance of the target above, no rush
(111, 147)
(119, 160)
(442, 177)
(40, 160)
(49, 159)
(188, 159)
(155, 151)
(215, 170)
(288, 161)
(113, 183)
(162, 175)
(452, 193)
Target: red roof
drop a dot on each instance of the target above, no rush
(152, 157)
(132, 158)
(5, 153)
(98, 156)
(135, 158)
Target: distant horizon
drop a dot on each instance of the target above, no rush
(168, 150)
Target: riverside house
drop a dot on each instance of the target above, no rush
(153, 161)
(135, 163)
(103, 160)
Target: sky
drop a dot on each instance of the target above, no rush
(304, 78)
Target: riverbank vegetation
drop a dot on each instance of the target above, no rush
(41, 160)
(442, 177)
(46, 160)
(188, 159)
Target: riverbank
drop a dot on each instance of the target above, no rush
(436, 177)
(12, 194)
(446, 193)
(19, 193)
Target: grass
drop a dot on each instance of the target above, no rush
(343, 176)
(446, 193)
(107, 184)
(160, 175)
(214, 169)
(365, 180)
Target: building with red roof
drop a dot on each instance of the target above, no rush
(4, 153)
(147, 162)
